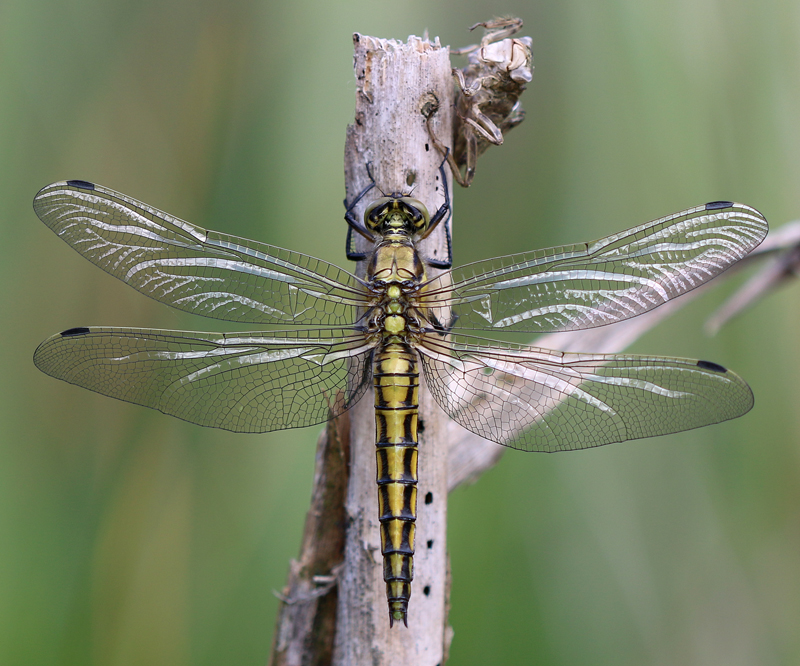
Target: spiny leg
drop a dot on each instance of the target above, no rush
(442, 214)
(354, 225)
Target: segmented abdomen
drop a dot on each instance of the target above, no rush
(396, 378)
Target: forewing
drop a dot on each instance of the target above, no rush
(204, 272)
(540, 400)
(582, 286)
(245, 382)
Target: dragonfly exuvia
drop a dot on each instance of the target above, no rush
(384, 328)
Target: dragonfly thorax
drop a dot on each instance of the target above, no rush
(396, 213)
(395, 265)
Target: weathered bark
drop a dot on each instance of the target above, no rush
(306, 626)
(398, 85)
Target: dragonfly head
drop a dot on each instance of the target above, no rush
(397, 213)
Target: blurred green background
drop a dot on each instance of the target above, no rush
(127, 537)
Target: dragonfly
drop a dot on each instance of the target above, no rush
(395, 324)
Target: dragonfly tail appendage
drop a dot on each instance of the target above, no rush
(396, 377)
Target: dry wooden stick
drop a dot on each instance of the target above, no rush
(398, 87)
(306, 626)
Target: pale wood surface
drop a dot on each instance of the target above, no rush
(396, 83)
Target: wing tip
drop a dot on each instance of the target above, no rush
(755, 221)
(79, 184)
(724, 205)
(746, 393)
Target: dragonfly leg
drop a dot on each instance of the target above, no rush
(442, 215)
(440, 327)
(354, 225)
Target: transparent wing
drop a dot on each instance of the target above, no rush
(540, 400)
(204, 272)
(245, 382)
(582, 286)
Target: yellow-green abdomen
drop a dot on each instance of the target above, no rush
(396, 378)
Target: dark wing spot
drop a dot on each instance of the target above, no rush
(83, 184)
(708, 365)
(718, 205)
(428, 498)
(81, 330)
(426, 590)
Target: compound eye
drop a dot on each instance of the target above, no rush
(374, 213)
(418, 213)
